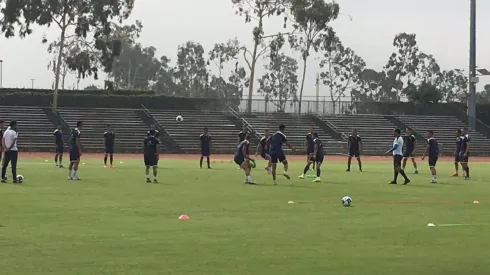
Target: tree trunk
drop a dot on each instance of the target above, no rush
(58, 64)
(302, 83)
(252, 69)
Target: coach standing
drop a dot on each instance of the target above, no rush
(9, 145)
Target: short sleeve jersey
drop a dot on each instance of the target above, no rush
(458, 144)
(319, 145)
(399, 150)
(264, 144)
(75, 133)
(205, 141)
(277, 140)
(150, 145)
(58, 137)
(464, 143)
(354, 142)
(409, 142)
(310, 143)
(239, 151)
(109, 139)
(433, 147)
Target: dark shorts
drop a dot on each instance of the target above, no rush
(397, 160)
(432, 161)
(74, 155)
(265, 155)
(408, 154)
(239, 160)
(464, 159)
(278, 157)
(150, 160)
(457, 158)
(205, 152)
(354, 153)
(109, 150)
(60, 149)
(319, 158)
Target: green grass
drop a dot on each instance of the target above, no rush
(114, 223)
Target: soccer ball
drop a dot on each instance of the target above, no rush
(20, 178)
(179, 118)
(346, 201)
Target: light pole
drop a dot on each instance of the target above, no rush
(32, 82)
(1, 73)
(473, 78)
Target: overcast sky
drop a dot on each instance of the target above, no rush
(442, 28)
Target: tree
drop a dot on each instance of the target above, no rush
(165, 81)
(311, 23)
(484, 96)
(426, 92)
(342, 69)
(259, 10)
(453, 84)
(74, 18)
(191, 75)
(91, 87)
(280, 84)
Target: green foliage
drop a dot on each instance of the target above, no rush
(484, 96)
(191, 75)
(280, 84)
(453, 84)
(424, 93)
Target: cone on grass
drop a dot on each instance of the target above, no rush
(183, 217)
(476, 202)
(290, 202)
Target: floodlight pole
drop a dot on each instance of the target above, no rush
(472, 79)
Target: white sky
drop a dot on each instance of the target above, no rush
(442, 28)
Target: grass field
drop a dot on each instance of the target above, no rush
(112, 222)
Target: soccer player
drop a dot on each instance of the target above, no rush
(11, 152)
(264, 150)
(432, 150)
(75, 152)
(457, 158)
(410, 142)
(316, 157)
(205, 140)
(309, 145)
(1, 138)
(276, 152)
(151, 150)
(242, 158)
(153, 132)
(109, 144)
(355, 148)
(242, 134)
(464, 153)
(58, 142)
(397, 150)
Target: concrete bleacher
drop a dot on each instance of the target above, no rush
(34, 127)
(444, 128)
(375, 130)
(297, 127)
(186, 134)
(130, 130)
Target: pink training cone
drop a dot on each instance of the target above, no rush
(183, 217)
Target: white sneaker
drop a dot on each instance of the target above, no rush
(75, 178)
(286, 175)
(275, 182)
(70, 178)
(301, 177)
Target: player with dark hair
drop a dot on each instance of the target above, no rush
(310, 146)
(355, 148)
(241, 137)
(264, 150)
(277, 154)
(109, 144)
(409, 141)
(153, 132)
(1, 138)
(10, 150)
(151, 155)
(464, 153)
(316, 156)
(242, 158)
(457, 157)
(58, 142)
(75, 152)
(397, 150)
(432, 150)
(205, 141)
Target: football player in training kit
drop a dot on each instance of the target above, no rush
(242, 158)
(310, 146)
(151, 155)
(241, 137)
(317, 157)
(464, 152)
(205, 142)
(75, 152)
(397, 150)
(457, 157)
(432, 150)
(355, 148)
(409, 142)
(59, 144)
(153, 132)
(109, 144)
(276, 152)
(264, 150)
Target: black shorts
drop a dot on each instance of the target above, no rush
(457, 158)
(278, 157)
(319, 159)
(205, 152)
(408, 154)
(74, 155)
(60, 149)
(432, 161)
(239, 160)
(109, 150)
(464, 159)
(265, 155)
(150, 160)
(354, 153)
(397, 160)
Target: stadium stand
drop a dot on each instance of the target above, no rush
(186, 134)
(129, 128)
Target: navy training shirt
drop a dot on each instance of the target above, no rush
(409, 142)
(264, 144)
(309, 142)
(458, 144)
(277, 140)
(154, 133)
(354, 142)
(464, 143)
(239, 151)
(58, 137)
(205, 141)
(319, 144)
(109, 139)
(433, 147)
(150, 145)
(242, 135)
(75, 133)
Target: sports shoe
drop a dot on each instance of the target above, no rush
(466, 178)
(407, 181)
(302, 177)
(455, 175)
(148, 180)
(348, 170)
(61, 166)
(76, 178)
(433, 181)
(393, 182)
(416, 172)
(70, 178)
(4, 181)
(317, 180)
(112, 166)
(286, 175)
(105, 166)
(15, 181)
(155, 181)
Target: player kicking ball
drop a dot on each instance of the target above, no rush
(264, 149)
(242, 158)
(151, 156)
(432, 150)
(315, 158)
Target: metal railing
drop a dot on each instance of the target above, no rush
(245, 122)
(335, 128)
(155, 121)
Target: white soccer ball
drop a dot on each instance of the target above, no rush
(20, 178)
(346, 201)
(179, 118)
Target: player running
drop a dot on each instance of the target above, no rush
(109, 144)
(457, 157)
(309, 145)
(242, 158)
(59, 144)
(151, 155)
(410, 142)
(1, 138)
(205, 141)
(464, 153)
(241, 137)
(264, 150)
(432, 150)
(355, 148)
(316, 156)
(276, 152)
(397, 157)
(75, 152)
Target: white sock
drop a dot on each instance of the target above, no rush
(147, 176)
(69, 173)
(75, 173)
